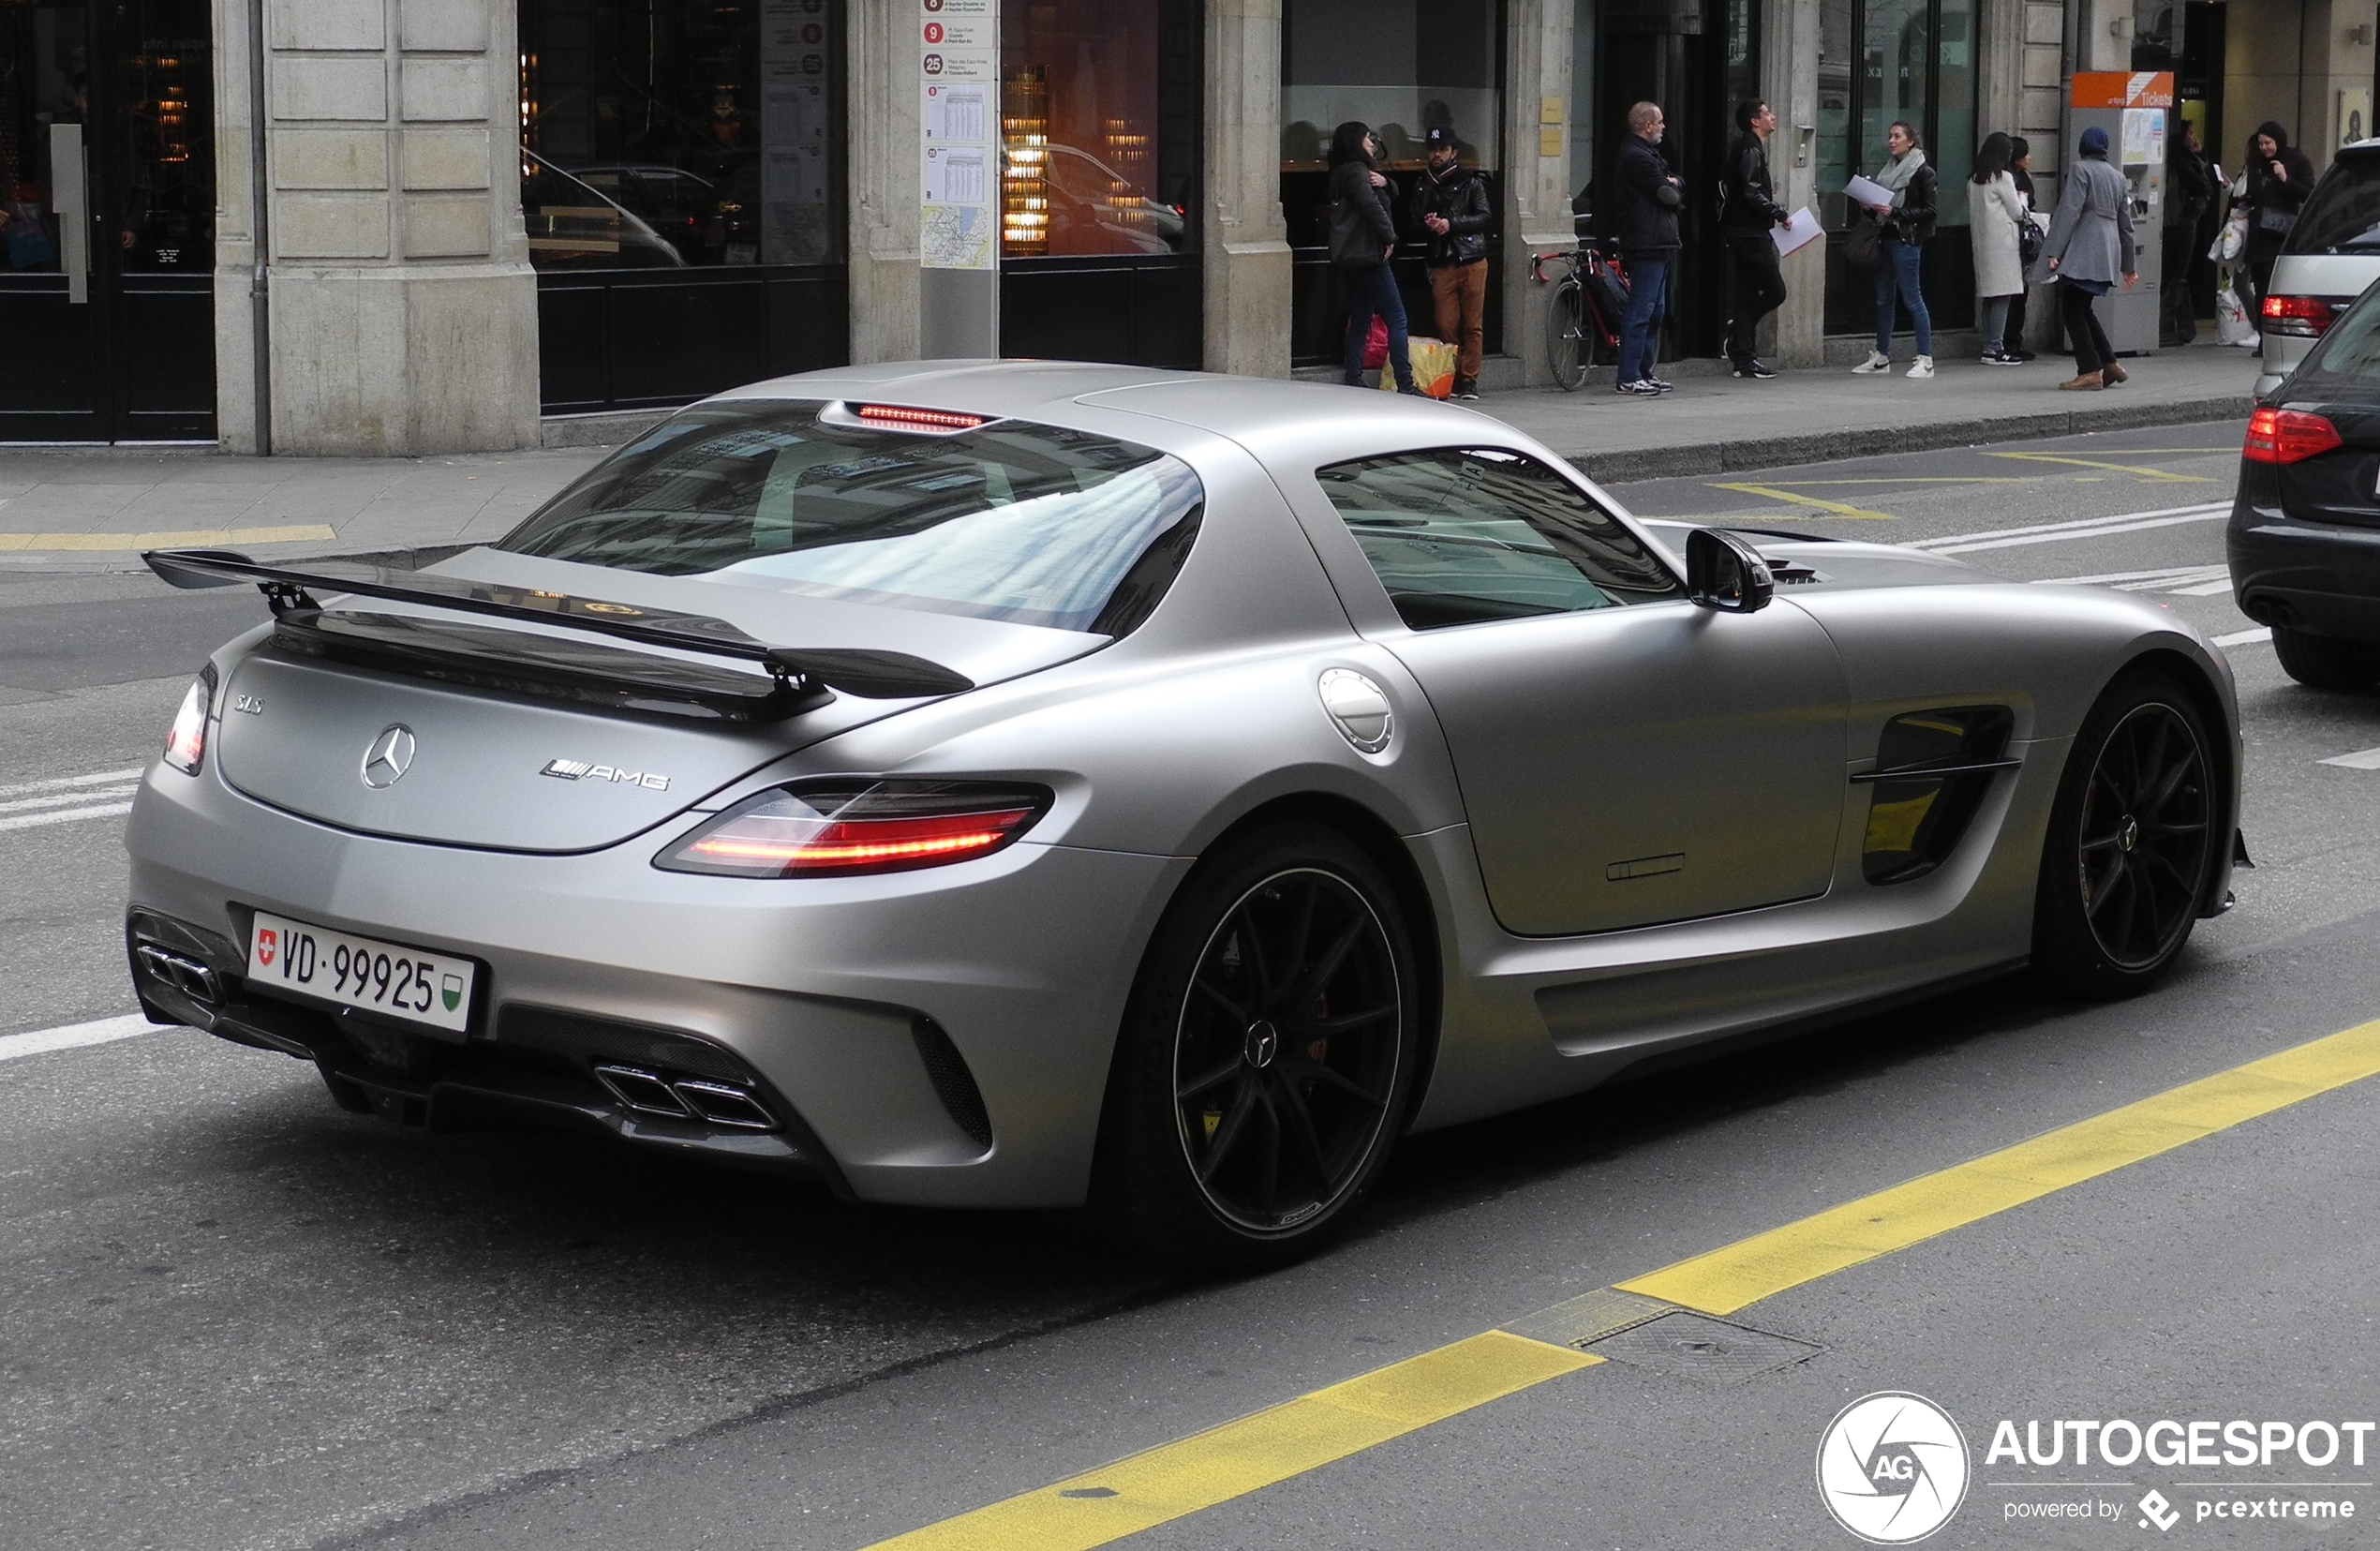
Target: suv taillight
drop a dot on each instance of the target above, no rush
(2288, 436)
(843, 827)
(2305, 317)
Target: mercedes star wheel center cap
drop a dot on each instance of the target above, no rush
(2128, 836)
(1264, 1042)
(389, 757)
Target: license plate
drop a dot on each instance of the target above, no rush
(361, 972)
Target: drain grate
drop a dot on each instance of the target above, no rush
(1708, 1350)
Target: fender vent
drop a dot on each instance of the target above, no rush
(954, 1085)
(1933, 768)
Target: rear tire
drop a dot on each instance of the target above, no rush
(2324, 661)
(1570, 337)
(2130, 839)
(1267, 1055)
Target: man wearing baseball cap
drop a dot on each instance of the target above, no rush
(1450, 203)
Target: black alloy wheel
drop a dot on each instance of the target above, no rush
(2131, 838)
(2324, 661)
(1265, 1066)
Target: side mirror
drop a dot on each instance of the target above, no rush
(1725, 573)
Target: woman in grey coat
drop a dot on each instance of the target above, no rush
(2090, 244)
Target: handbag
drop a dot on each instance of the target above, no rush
(1863, 244)
(2028, 238)
(2272, 218)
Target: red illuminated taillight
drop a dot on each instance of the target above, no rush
(186, 742)
(901, 414)
(2288, 436)
(2305, 317)
(841, 828)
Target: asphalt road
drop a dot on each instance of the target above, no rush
(238, 1317)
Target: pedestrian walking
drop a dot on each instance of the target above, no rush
(1450, 203)
(1749, 212)
(1362, 240)
(1996, 219)
(2090, 244)
(2189, 190)
(1908, 222)
(2276, 181)
(2020, 166)
(1644, 209)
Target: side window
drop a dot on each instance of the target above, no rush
(1461, 535)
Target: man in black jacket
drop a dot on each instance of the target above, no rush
(1450, 203)
(2188, 192)
(1747, 211)
(1646, 202)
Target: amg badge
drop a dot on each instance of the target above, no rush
(579, 770)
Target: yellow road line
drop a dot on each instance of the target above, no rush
(2159, 474)
(1763, 1266)
(1178, 1479)
(1242, 1456)
(1832, 508)
(294, 533)
(1912, 479)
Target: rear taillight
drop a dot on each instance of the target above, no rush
(185, 744)
(2288, 436)
(842, 828)
(2305, 317)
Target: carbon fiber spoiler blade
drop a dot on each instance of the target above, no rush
(867, 673)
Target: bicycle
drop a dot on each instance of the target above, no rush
(1581, 323)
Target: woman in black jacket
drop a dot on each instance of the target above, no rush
(1362, 238)
(2279, 178)
(1908, 222)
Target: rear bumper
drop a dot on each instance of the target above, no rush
(840, 999)
(2323, 578)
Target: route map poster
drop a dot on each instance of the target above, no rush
(959, 85)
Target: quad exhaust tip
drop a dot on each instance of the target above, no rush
(185, 974)
(686, 1098)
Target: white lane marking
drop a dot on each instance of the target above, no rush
(2214, 588)
(2245, 637)
(2068, 535)
(2365, 759)
(42, 1041)
(62, 800)
(2162, 575)
(60, 784)
(28, 821)
(1940, 540)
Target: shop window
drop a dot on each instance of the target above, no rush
(678, 137)
(1100, 156)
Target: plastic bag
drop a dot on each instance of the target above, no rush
(1433, 366)
(2233, 326)
(1375, 344)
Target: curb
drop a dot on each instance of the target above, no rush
(1622, 466)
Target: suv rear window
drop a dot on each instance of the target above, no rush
(1012, 520)
(2342, 214)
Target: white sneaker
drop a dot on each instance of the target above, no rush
(1922, 366)
(1876, 361)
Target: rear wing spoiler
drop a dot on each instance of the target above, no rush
(867, 673)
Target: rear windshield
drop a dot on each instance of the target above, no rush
(2350, 348)
(2342, 214)
(1011, 521)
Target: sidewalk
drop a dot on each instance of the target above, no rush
(85, 510)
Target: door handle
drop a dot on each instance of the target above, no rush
(70, 197)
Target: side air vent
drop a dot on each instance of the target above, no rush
(954, 1085)
(1932, 768)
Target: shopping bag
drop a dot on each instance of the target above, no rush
(1375, 344)
(1433, 366)
(2233, 326)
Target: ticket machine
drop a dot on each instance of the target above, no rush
(2136, 108)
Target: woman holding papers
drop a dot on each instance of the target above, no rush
(1908, 221)
(1995, 216)
(2090, 244)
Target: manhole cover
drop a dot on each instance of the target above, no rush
(1708, 1350)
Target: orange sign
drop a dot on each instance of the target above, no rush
(2122, 89)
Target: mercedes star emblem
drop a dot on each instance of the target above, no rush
(389, 756)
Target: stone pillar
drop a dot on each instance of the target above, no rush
(1536, 168)
(885, 150)
(1244, 242)
(1788, 78)
(235, 249)
(403, 308)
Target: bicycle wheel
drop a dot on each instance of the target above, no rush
(1568, 345)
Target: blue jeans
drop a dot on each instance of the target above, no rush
(1898, 277)
(1371, 290)
(1640, 331)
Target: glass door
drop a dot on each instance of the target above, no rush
(107, 221)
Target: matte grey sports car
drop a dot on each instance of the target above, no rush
(1024, 783)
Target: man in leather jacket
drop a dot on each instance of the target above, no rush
(1748, 210)
(1646, 201)
(1450, 203)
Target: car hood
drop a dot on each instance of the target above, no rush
(497, 769)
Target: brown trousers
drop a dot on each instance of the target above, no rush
(1460, 294)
